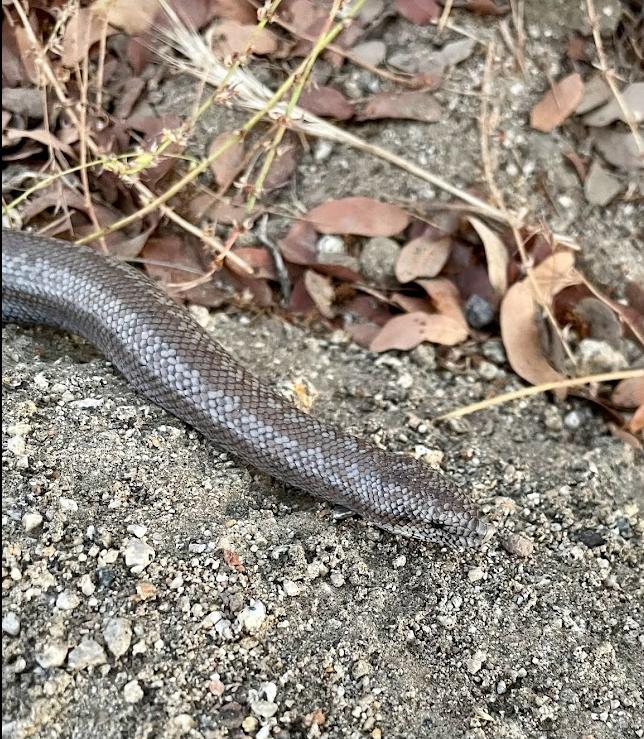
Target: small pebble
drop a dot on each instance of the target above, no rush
(487, 371)
(88, 653)
(572, 420)
(337, 579)
(475, 574)
(400, 562)
(17, 445)
(264, 709)
(494, 352)
(67, 600)
(252, 617)
(132, 692)
(378, 260)
(138, 555)
(138, 530)
(118, 636)
(52, 654)
(475, 662)
(291, 588)
(478, 312)
(250, 724)
(517, 544)
(31, 521)
(361, 668)
(10, 624)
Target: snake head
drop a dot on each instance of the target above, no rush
(420, 503)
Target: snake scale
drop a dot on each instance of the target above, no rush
(170, 359)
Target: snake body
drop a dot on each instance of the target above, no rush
(169, 358)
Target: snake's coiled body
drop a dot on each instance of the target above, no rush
(171, 360)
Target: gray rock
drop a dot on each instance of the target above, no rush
(599, 356)
(51, 654)
(378, 260)
(600, 186)
(88, 653)
(31, 521)
(118, 636)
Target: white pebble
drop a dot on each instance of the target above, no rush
(252, 616)
(67, 600)
(31, 521)
(138, 555)
(17, 445)
(132, 692)
(10, 624)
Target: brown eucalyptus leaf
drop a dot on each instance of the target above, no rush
(422, 257)
(519, 311)
(496, 255)
(558, 103)
(359, 216)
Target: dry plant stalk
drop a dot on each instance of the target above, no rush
(488, 167)
(609, 75)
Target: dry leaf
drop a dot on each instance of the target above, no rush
(411, 329)
(558, 103)
(629, 393)
(226, 166)
(283, 165)
(298, 246)
(422, 257)
(485, 7)
(636, 424)
(130, 17)
(321, 291)
(81, 33)
(260, 261)
(238, 10)
(413, 105)
(519, 327)
(327, 102)
(496, 255)
(39, 134)
(359, 216)
(232, 37)
(420, 12)
(446, 300)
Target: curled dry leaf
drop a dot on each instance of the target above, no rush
(232, 37)
(321, 291)
(636, 424)
(629, 393)
(226, 166)
(84, 29)
(519, 327)
(558, 103)
(413, 105)
(444, 295)
(420, 12)
(422, 257)
(496, 255)
(327, 102)
(359, 216)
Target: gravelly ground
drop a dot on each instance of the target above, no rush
(155, 588)
(258, 609)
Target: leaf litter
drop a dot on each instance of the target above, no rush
(438, 271)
